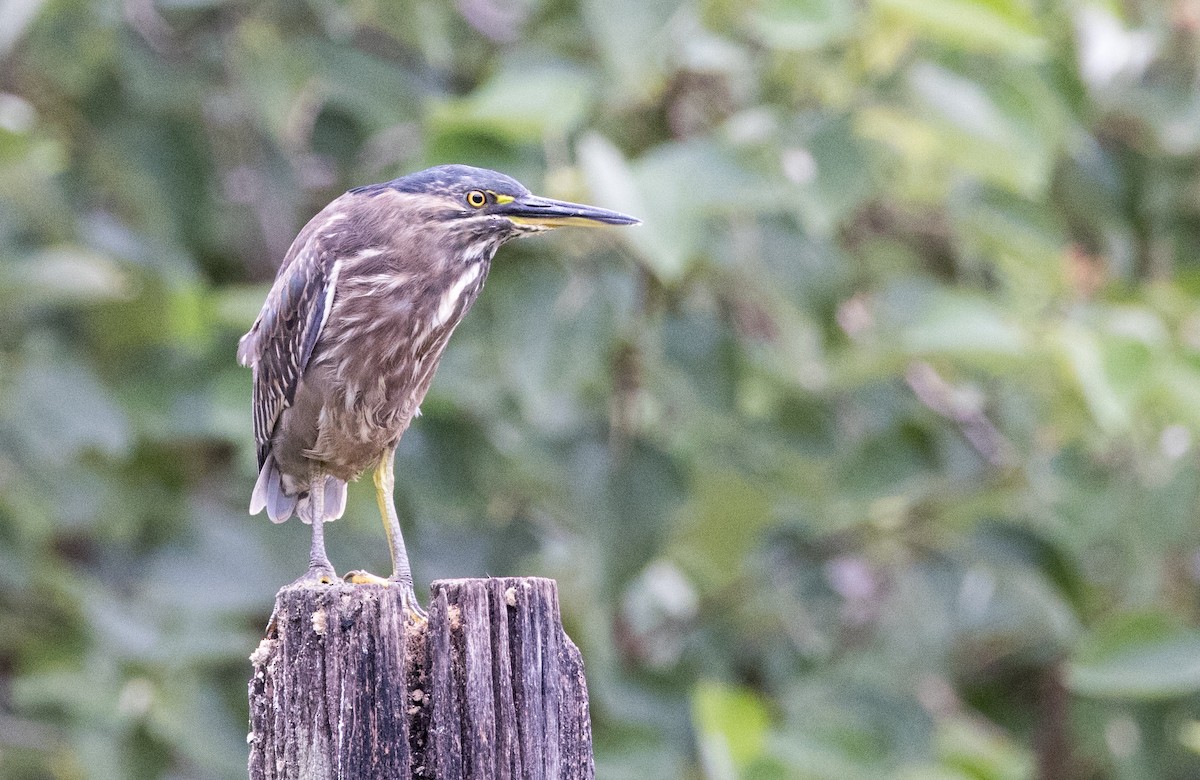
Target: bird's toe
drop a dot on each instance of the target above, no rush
(360, 577)
(408, 600)
(408, 596)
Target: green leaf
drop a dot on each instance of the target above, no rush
(523, 103)
(842, 174)
(681, 191)
(964, 325)
(631, 37)
(1082, 353)
(717, 529)
(982, 753)
(801, 25)
(731, 727)
(1002, 26)
(1144, 655)
(615, 183)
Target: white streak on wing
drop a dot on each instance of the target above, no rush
(330, 288)
(450, 299)
(246, 346)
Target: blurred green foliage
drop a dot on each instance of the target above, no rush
(871, 454)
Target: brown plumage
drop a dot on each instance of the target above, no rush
(351, 333)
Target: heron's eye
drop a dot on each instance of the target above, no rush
(476, 199)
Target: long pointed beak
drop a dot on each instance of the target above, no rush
(547, 213)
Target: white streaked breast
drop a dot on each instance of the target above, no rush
(451, 297)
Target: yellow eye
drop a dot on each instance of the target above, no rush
(476, 199)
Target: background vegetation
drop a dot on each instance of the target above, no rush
(872, 454)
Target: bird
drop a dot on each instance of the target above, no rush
(350, 335)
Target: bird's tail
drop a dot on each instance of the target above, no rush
(270, 494)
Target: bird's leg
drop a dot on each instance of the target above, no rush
(385, 487)
(385, 491)
(320, 570)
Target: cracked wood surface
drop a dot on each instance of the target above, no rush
(491, 687)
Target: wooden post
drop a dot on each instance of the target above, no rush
(345, 689)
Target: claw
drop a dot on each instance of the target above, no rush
(360, 577)
(408, 597)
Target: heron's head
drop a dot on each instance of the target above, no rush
(467, 205)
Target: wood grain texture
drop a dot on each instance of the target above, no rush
(490, 687)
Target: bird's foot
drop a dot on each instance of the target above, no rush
(408, 599)
(316, 575)
(408, 596)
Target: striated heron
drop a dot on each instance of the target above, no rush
(351, 332)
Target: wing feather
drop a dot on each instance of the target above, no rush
(283, 338)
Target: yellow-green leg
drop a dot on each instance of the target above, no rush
(385, 488)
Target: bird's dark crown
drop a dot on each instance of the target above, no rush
(451, 180)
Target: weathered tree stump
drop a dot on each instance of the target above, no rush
(345, 689)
